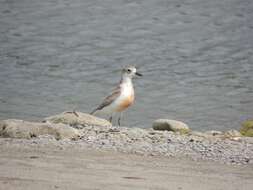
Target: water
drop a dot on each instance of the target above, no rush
(196, 57)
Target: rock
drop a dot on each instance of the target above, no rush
(247, 128)
(136, 133)
(170, 125)
(199, 134)
(214, 133)
(196, 138)
(232, 133)
(79, 120)
(23, 129)
(247, 140)
(153, 132)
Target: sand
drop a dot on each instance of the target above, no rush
(28, 165)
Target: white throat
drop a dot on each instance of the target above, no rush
(126, 79)
(127, 85)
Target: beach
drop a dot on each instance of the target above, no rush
(32, 164)
(69, 152)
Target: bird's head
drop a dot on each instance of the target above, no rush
(130, 72)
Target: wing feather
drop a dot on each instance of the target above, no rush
(109, 99)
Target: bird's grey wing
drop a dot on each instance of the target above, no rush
(109, 99)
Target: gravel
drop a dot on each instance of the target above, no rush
(156, 143)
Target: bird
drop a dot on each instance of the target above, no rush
(121, 97)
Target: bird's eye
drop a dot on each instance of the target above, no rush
(129, 70)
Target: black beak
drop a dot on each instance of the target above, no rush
(138, 74)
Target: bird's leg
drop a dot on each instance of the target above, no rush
(75, 113)
(119, 121)
(119, 118)
(110, 119)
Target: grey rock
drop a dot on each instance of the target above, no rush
(170, 125)
(232, 133)
(214, 133)
(136, 133)
(153, 132)
(196, 139)
(197, 133)
(206, 135)
(23, 129)
(80, 120)
(247, 140)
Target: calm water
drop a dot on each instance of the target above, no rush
(196, 57)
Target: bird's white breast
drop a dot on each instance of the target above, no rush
(124, 100)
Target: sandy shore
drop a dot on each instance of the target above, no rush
(222, 148)
(28, 164)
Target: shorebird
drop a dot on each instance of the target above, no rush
(121, 97)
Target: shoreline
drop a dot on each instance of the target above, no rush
(50, 164)
(86, 152)
(194, 145)
(168, 138)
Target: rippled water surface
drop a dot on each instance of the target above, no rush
(196, 57)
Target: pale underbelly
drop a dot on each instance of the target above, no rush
(120, 104)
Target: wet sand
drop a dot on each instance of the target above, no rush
(29, 165)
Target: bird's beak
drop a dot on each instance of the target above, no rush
(138, 74)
